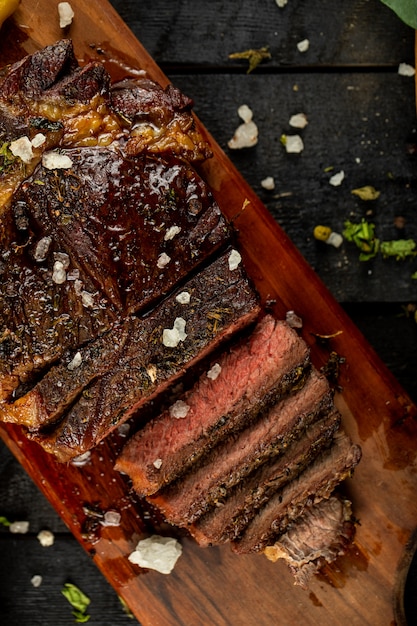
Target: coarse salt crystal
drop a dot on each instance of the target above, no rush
(163, 260)
(59, 275)
(81, 459)
(293, 319)
(183, 297)
(245, 113)
(157, 553)
(42, 248)
(214, 371)
(63, 258)
(299, 120)
(303, 45)
(172, 336)
(19, 528)
(294, 144)
(111, 518)
(75, 362)
(56, 161)
(171, 232)
(46, 538)
(246, 136)
(22, 148)
(281, 3)
(234, 260)
(404, 69)
(65, 13)
(337, 179)
(268, 183)
(87, 299)
(38, 140)
(36, 580)
(179, 409)
(157, 463)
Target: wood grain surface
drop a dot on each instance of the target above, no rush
(214, 586)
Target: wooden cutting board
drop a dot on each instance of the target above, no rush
(214, 586)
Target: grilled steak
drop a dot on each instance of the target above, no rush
(315, 483)
(316, 538)
(106, 391)
(251, 376)
(232, 513)
(234, 459)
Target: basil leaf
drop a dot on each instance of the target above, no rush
(405, 9)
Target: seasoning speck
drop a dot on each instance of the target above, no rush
(19, 528)
(38, 140)
(157, 553)
(234, 260)
(81, 459)
(183, 297)
(171, 232)
(303, 45)
(36, 580)
(22, 148)
(75, 362)
(179, 409)
(163, 260)
(337, 179)
(172, 336)
(46, 538)
(59, 275)
(56, 161)
(65, 13)
(214, 371)
(111, 518)
(268, 183)
(404, 69)
(157, 463)
(299, 120)
(293, 143)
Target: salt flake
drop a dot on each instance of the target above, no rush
(163, 260)
(294, 144)
(179, 409)
(36, 580)
(19, 528)
(65, 13)
(245, 113)
(299, 120)
(38, 140)
(337, 179)
(171, 232)
(303, 45)
(246, 136)
(111, 518)
(46, 538)
(75, 362)
(157, 463)
(183, 297)
(172, 336)
(281, 3)
(22, 148)
(406, 70)
(268, 183)
(214, 371)
(56, 161)
(234, 260)
(59, 275)
(157, 553)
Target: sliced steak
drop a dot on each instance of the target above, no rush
(136, 227)
(233, 513)
(314, 484)
(250, 376)
(315, 539)
(234, 459)
(221, 303)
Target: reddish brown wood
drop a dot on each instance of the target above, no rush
(213, 585)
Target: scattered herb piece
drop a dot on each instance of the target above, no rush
(405, 9)
(332, 368)
(366, 193)
(6, 156)
(363, 235)
(254, 56)
(78, 600)
(324, 339)
(4, 521)
(399, 248)
(126, 608)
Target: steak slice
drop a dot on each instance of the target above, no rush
(315, 539)
(232, 460)
(314, 484)
(250, 375)
(233, 513)
(221, 302)
(136, 227)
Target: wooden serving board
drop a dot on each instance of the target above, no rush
(214, 586)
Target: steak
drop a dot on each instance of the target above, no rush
(316, 538)
(108, 391)
(235, 458)
(250, 376)
(232, 513)
(315, 483)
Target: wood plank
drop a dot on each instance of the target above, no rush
(215, 586)
(352, 127)
(354, 32)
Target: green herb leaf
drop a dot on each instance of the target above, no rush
(78, 600)
(363, 235)
(4, 521)
(399, 248)
(254, 56)
(405, 9)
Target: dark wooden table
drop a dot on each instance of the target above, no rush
(362, 120)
